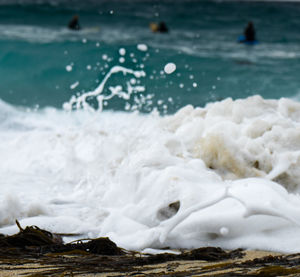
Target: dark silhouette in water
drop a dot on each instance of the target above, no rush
(160, 27)
(250, 32)
(74, 23)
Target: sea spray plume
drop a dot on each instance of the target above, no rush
(80, 101)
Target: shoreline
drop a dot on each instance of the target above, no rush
(36, 252)
(252, 263)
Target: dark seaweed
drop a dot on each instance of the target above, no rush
(101, 255)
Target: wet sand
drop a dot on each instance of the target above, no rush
(36, 252)
(253, 263)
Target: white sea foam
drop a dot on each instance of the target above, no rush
(224, 175)
(74, 85)
(69, 68)
(122, 51)
(170, 68)
(142, 47)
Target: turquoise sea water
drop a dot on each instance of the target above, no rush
(36, 49)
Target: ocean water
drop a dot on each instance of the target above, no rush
(183, 139)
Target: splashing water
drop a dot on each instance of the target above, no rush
(224, 175)
(221, 173)
(81, 101)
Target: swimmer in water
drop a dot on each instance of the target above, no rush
(249, 32)
(74, 23)
(160, 27)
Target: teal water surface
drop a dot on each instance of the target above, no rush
(42, 63)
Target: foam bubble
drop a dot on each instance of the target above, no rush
(224, 231)
(74, 85)
(69, 68)
(170, 68)
(122, 51)
(142, 47)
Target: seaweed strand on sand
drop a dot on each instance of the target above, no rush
(36, 252)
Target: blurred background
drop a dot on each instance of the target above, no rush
(44, 63)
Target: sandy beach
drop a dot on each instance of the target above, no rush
(252, 263)
(37, 252)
